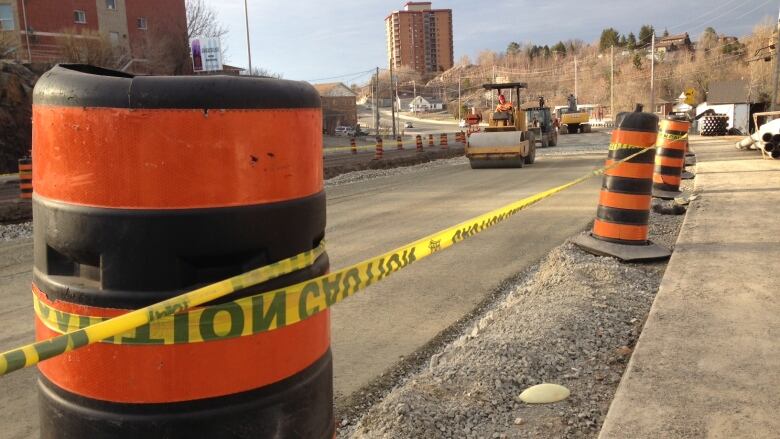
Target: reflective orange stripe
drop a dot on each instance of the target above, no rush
(674, 125)
(624, 201)
(188, 158)
(666, 179)
(26, 186)
(182, 372)
(25, 167)
(630, 170)
(669, 161)
(639, 139)
(619, 231)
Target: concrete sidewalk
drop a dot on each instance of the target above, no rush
(708, 361)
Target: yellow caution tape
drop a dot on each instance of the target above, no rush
(157, 323)
(36, 352)
(670, 135)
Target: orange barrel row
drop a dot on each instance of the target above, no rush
(624, 203)
(443, 140)
(352, 145)
(25, 178)
(430, 140)
(670, 157)
(399, 143)
(418, 140)
(147, 187)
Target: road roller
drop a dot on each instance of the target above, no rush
(506, 141)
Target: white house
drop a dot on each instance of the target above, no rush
(732, 99)
(425, 104)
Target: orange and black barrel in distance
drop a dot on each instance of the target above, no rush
(670, 158)
(418, 140)
(146, 189)
(443, 141)
(430, 141)
(25, 178)
(624, 202)
(352, 145)
(379, 150)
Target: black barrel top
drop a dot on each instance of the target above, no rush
(81, 85)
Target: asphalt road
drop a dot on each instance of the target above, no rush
(373, 330)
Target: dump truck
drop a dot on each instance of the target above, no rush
(506, 142)
(573, 120)
(539, 119)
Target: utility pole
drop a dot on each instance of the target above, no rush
(248, 46)
(392, 106)
(652, 73)
(459, 104)
(414, 101)
(491, 91)
(377, 98)
(26, 31)
(612, 84)
(777, 67)
(576, 90)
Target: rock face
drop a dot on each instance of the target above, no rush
(16, 86)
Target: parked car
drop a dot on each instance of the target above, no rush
(345, 131)
(408, 125)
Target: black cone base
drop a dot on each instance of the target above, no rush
(666, 195)
(686, 175)
(690, 160)
(626, 253)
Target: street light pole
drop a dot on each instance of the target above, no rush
(248, 45)
(460, 106)
(652, 74)
(776, 77)
(612, 84)
(26, 31)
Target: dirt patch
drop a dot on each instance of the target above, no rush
(573, 320)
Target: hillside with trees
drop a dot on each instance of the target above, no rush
(550, 70)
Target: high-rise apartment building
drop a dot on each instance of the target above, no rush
(420, 37)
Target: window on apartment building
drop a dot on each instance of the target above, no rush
(7, 18)
(140, 23)
(111, 4)
(79, 16)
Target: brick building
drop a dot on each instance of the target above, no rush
(133, 28)
(420, 37)
(339, 106)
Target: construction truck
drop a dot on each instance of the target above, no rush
(573, 120)
(539, 119)
(506, 142)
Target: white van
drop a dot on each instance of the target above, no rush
(345, 131)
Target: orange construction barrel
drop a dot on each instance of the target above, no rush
(148, 187)
(621, 225)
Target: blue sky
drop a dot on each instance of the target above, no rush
(324, 41)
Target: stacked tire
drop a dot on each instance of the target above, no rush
(714, 125)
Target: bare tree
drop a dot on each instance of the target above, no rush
(89, 47)
(263, 72)
(202, 21)
(8, 45)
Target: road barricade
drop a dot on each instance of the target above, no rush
(25, 178)
(670, 158)
(117, 232)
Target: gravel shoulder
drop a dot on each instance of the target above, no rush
(573, 319)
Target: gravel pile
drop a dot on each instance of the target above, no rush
(573, 320)
(370, 174)
(10, 232)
